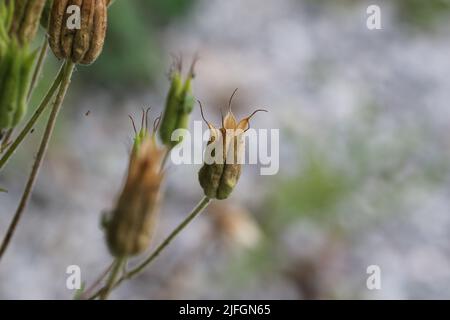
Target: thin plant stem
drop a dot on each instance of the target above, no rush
(118, 263)
(38, 68)
(5, 140)
(65, 83)
(29, 126)
(138, 269)
(97, 282)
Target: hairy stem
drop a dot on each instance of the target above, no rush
(67, 75)
(40, 109)
(138, 269)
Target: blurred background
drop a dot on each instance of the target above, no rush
(364, 170)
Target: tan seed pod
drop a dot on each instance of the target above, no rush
(82, 45)
(219, 178)
(132, 223)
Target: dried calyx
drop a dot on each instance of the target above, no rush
(81, 45)
(132, 222)
(222, 168)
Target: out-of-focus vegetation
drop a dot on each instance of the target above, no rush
(133, 51)
(424, 14)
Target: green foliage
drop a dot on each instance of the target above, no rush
(424, 14)
(132, 51)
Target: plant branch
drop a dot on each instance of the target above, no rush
(118, 263)
(65, 83)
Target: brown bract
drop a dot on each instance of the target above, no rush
(82, 45)
(133, 220)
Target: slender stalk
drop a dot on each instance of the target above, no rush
(138, 269)
(97, 282)
(38, 68)
(40, 109)
(5, 140)
(118, 263)
(68, 70)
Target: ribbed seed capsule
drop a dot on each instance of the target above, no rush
(82, 45)
(179, 104)
(222, 168)
(132, 223)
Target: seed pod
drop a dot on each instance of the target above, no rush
(132, 222)
(24, 86)
(222, 168)
(179, 104)
(84, 45)
(27, 15)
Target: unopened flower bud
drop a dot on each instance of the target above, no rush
(219, 177)
(179, 104)
(131, 227)
(82, 45)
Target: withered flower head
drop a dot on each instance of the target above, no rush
(222, 168)
(82, 45)
(132, 223)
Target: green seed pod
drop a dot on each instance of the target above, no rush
(26, 72)
(179, 104)
(219, 178)
(169, 118)
(10, 87)
(131, 226)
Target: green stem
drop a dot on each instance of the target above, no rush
(30, 124)
(112, 277)
(138, 269)
(38, 67)
(67, 75)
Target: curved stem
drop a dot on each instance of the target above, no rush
(40, 109)
(68, 70)
(138, 269)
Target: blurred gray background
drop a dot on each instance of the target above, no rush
(364, 172)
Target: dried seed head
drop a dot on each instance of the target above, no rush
(27, 15)
(218, 178)
(81, 45)
(133, 220)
